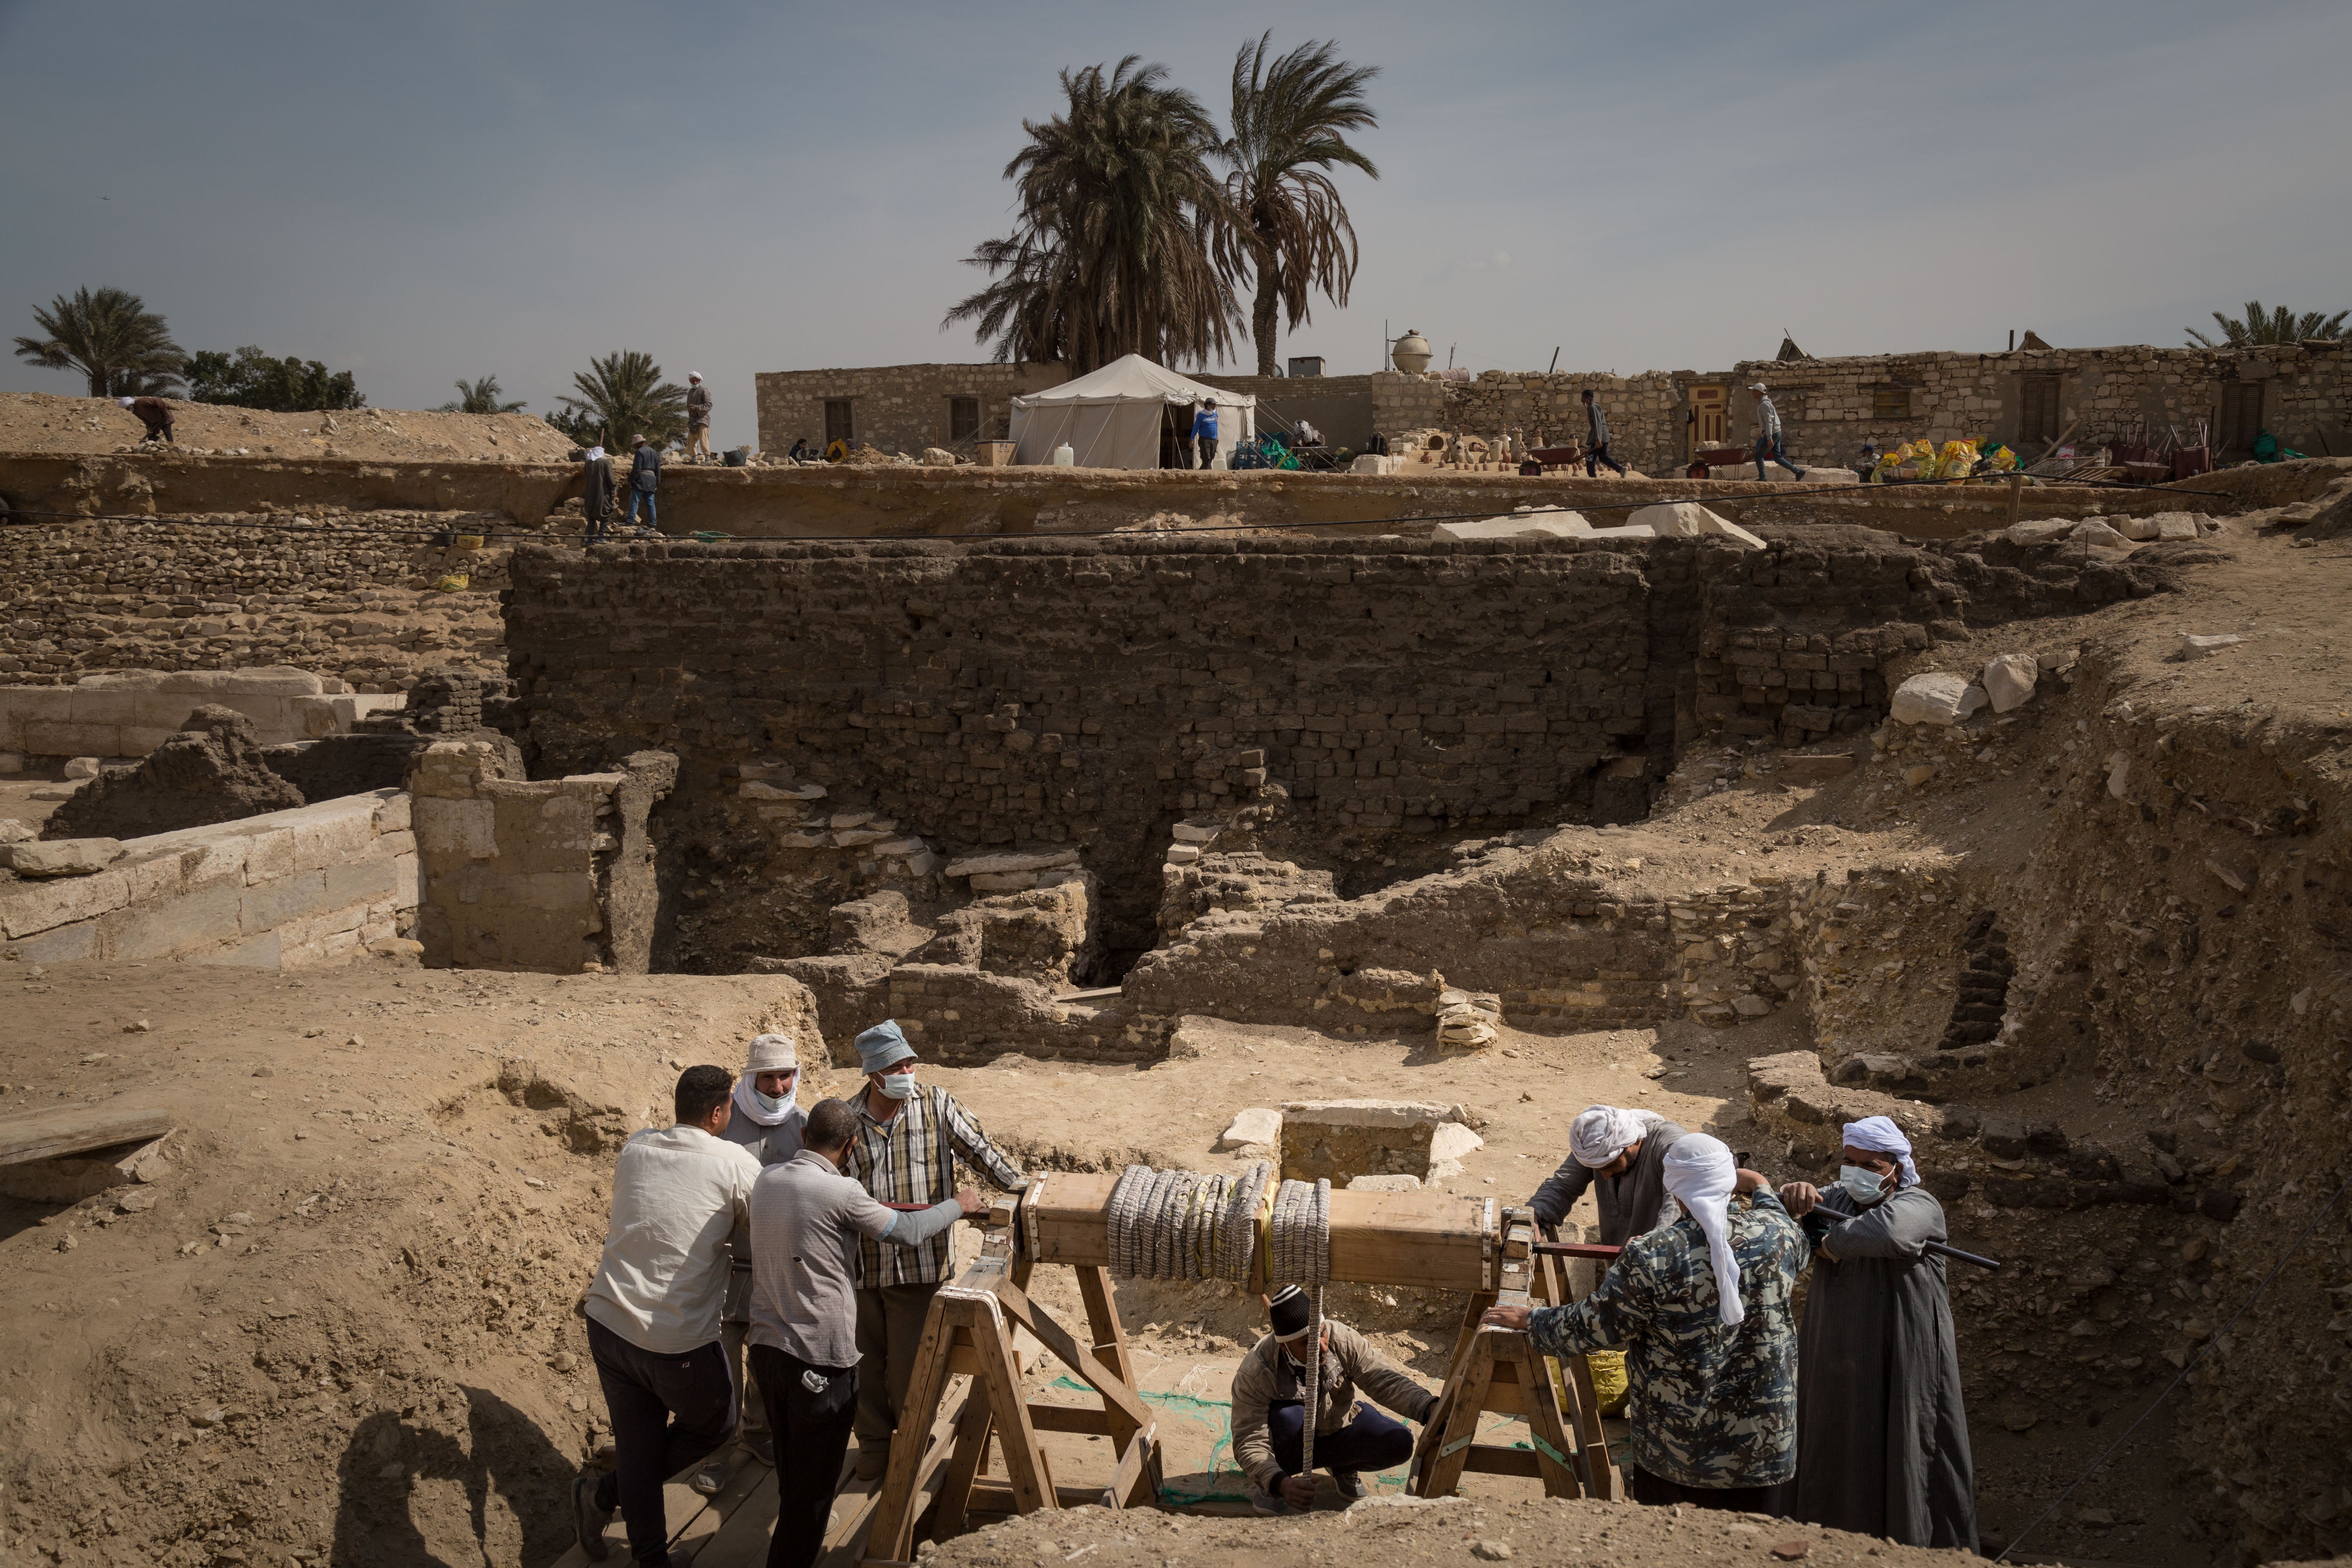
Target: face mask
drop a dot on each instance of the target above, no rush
(771, 1103)
(898, 1085)
(1862, 1186)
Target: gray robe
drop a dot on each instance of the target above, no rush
(1631, 1204)
(770, 1146)
(1882, 1439)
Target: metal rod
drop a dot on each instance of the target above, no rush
(1937, 1247)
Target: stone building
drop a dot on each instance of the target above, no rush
(2030, 398)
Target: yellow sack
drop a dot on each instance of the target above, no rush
(456, 582)
(1957, 458)
(1609, 1383)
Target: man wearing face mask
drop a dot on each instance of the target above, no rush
(808, 1222)
(1269, 1413)
(766, 1119)
(1620, 1154)
(1882, 1436)
(905, 1155)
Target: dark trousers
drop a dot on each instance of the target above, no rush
(889, 1331)
(1369, 1441)
(1597, 455)
(669, 1412)
(810, 1425)
(1208, 445)
(1658, 1492)
(1769, 446)
(159, 433)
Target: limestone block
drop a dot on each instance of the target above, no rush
(2177, 524)
(1940, 697)
(1631, 530)
(60, 944)
(1449, 1145)
(1187, 833)
(263, 680)
(1549, 523)
(463, 827)
(841, 820)
(1817, 767)
(923, 863)
(27, 909)
(1259, 1128)
(999, 881)
(1688, 519)
(898, 849)
(1384, 1184)
(2009, 680)
(2137, 529)
(2039, 531)
(999, 865)
(65, 738)
(1344, 1138)
(264, 906)
(12, 761)
(407, 882)
(332, 831)
(858, 837)
(392, 811)
(2193, 646)
(178, 924)
(2095, 532)
(1182, 854)
(60, 856)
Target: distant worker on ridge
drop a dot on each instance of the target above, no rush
(596, 497)
(644, 478)
(154, 413)
(1205, 432)
(1767, 434)
(1596, 439)
(698, 417)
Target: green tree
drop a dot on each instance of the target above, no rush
(1118, 247)
(623, 394)
(2279, 326)
(121, 347)
(251, 379)
(1290, 120)
(480, 397)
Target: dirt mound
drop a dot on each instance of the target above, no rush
(1454, 1531)
(211, 771)
(338, 1322)
(37, 422)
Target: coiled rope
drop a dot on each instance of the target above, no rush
(1182, 1224)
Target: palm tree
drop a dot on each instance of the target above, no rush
(1118, 247)
(625, 395)
(2279, 326)
(124, 348)
(1291, 117)
(480, 398)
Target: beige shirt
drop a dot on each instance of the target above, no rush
(1266, 1378)
(678, 1196)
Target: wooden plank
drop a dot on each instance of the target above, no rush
(1119, 1400)
(1432, 1239)
(1442, 1471)
(1601, 1478)
(1495, 1459)
(996, 1497)
(970, 1455)
(894, 1519)
(1024, 1462)
(1554, 1450)
(1110, 1349)
(1130, 1483)
(1069, 1418)
(70, 1129)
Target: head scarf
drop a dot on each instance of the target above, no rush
(1700, 1175)
(1601, 1132)
(769, 1053)
(595, 453)
(1881, 1136)
(694, 375)
(126, 402)
(883, 1046)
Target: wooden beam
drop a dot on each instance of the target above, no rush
(996, 1497)
(968, 1457)
(1495, 1459)
(894, 1514)
(1069, 1418)
(1130, 1480)
(1119, 1400)
(1443, 1470)
(1032, 1481)
(69, 1130)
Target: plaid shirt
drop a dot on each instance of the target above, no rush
(911, 1159)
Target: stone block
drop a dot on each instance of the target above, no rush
(2172, 525)
(2009, 680)
(1449, 1145)
(1940, 697)
(1383, 1183)
(60, 856)
(192, 920)
(27, 909)
(357, 881)
(264, 906)
(1816, 767)
(463, 828)
(999, 881)
(1549, 522)
(1182, 854)
(1188, 833)
(1346, 1138)
(923, 863)
(2039, 531)
(1257, 1129)
(999, 865)
(60, 944)
(65, 738)
(331, 832)
(1688, 519)
(2193, 646)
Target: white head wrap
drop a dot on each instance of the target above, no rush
(1700, 1175)
(694, 375)
(1881, 1136)
(1756, 386)
(595, 453)
(1601, 1132)
(126, 402)
(769, 1053)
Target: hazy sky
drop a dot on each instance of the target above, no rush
(423, 191)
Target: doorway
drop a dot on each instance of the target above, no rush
(1710, 421)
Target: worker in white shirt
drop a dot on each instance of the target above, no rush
(680, 1195)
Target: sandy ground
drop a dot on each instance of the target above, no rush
(37, 422)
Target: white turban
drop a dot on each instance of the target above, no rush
(769, 1053)
(1601, 1132)
(1700, 1175)
(694, 375)
(124, 401)
(1881, 1136)
(595, 453)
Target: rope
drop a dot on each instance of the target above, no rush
(1301, 1236)
(1182, 1224)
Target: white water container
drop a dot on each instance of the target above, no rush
(1218, 463)
(1064, 458)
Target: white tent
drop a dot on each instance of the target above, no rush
(1112, 418)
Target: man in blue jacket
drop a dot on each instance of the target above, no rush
(1205, 432)
(644, 478)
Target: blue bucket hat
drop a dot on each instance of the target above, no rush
(883, 1046)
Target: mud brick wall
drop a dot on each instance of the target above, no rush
(898, 407)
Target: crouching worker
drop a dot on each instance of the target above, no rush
(1703, 1307)
(679, 1196)
(806, 1222)
(1269, 1415)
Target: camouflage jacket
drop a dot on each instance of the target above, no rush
(1713, 1406)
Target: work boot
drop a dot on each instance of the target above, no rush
(1350, 1484)
(588, 1519)
(1263, 1502)
(873, 1462)
(710, 1476)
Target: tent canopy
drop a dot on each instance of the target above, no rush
(1111, 418)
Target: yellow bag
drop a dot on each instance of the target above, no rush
(1957, 459)
(456, 582)
(1609, 1387)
